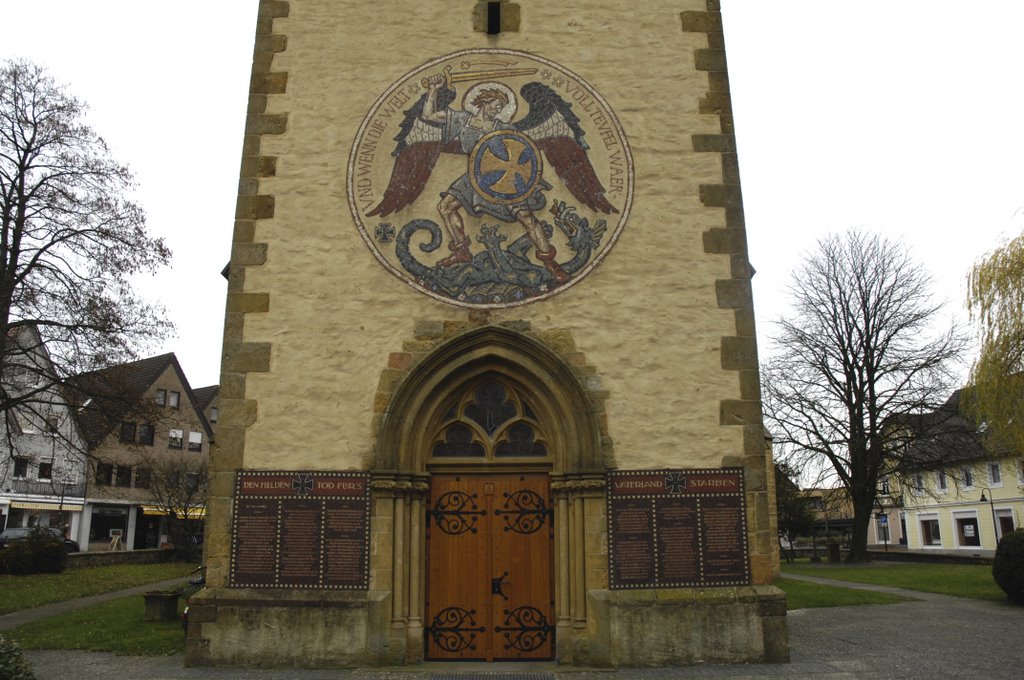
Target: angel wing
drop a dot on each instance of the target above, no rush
(557, 132)
(419, 145)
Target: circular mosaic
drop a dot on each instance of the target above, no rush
(490, 178)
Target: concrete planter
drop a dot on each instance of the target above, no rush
(161, 605)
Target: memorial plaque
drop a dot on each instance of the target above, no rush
(631, 526)
(301, 530)
(677, 528)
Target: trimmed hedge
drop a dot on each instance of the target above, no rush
(1008, 565)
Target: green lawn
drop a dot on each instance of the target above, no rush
(963, 580)
(804, 595)
(116, 626)
(23, 592)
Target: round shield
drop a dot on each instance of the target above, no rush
(505, 167)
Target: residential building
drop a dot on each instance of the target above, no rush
(208, 402)
(106, 455)
(146, 461)
(833, 509)
(42, 454)
(958, 494)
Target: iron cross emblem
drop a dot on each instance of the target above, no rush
(675, 482)
(302, 484)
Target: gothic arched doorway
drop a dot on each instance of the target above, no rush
(488, 430)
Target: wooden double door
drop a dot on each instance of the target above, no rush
(490, 585)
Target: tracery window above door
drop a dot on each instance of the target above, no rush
(490, 420)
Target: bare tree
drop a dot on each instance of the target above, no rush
(71, 239)
(178, 485)
(855, 357)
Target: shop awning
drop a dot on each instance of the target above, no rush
(67, 507)
(192, 513)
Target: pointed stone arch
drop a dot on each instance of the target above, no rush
(423, 390)
(534, 370)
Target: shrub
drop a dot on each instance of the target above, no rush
(40, 552)
(50, 557)
(12, 663)
(16, 558)
(48, 553)
(1008, 565)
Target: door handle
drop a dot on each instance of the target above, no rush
(497, 584)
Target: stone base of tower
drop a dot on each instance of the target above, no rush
(290, 629)
(635, 628)
(684, 626)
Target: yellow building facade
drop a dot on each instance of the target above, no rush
(965, 507)
(489, 281)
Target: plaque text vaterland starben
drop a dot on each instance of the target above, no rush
(677, 528)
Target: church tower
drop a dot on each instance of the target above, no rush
(489, 385)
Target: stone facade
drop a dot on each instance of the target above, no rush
(331, 363)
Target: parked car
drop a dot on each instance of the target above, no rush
(22, 533)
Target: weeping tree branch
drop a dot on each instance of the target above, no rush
(995, 299)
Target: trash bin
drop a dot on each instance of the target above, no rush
(833, 553)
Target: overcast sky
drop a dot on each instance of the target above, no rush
(902, 117)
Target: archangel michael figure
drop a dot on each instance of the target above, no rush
(504, 178)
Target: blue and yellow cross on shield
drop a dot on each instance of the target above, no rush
(505, 167)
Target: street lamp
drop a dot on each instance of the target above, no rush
(65, 478)
(991, 505)
(882, 520)
(63, 488)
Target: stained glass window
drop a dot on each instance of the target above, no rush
(491, 419)
(458, 442)
(491, 407)
(520, 442)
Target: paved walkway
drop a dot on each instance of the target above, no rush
(932, 637)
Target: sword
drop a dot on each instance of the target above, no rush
(467, 76)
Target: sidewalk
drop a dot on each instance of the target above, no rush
(932, 637)
(852, 585)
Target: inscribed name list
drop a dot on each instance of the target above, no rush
(300, 530)
(677, 528)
